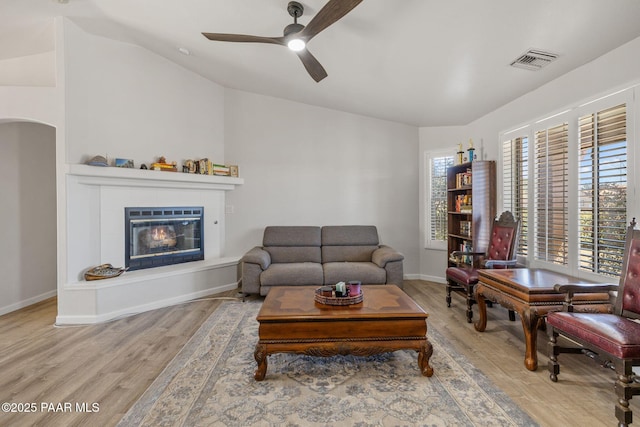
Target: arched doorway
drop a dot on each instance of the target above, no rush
(28, 247)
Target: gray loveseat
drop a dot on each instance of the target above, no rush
(305, 255)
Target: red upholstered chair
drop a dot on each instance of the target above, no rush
(611, 338)
(501, 253)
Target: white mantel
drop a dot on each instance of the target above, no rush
(96, 198)
(125, 177)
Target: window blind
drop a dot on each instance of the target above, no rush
(603, 190)
(551, 191)
(515, 157)
(438, 208)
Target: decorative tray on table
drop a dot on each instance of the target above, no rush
(104, 271)
(322, 297)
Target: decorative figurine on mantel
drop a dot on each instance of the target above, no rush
(162, 165)
(460, 154)
(471, 150)
(189, 166)
(98, 161)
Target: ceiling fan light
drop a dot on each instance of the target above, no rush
(296, 45)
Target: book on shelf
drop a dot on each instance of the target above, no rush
(463, 179)
(465, 228)
(466, 248)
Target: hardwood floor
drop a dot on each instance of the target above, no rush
(112, 364)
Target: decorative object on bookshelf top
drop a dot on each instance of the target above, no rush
(459, 155)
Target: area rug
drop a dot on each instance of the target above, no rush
(210, 383)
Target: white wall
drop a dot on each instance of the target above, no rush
(613, 71)
(125, 101)
(306, 165)
(122, 101)
(27, 214)
(29, 58)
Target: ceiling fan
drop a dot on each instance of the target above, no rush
(296, 36)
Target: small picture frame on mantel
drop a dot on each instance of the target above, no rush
(233, 170)
(124, 163)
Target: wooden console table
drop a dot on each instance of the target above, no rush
(529, 292)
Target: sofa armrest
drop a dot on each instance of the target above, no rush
(258, 256)
(385, 254)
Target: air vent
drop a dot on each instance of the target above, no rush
(534, 59)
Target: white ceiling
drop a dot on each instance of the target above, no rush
(420, 62)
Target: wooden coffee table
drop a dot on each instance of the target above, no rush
(529, 292)
(386, 320)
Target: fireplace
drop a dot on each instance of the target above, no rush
(163, 236)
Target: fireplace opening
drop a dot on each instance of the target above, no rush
(163, 236)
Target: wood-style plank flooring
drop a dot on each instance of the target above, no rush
(112, 364)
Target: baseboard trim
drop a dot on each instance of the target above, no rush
(425, 277)
(27, 302)
(132, 311)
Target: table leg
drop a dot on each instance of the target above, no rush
(530, 323)
(260, 354)
(423, 359)
(481, 324)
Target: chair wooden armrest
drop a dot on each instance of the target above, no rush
(569, 289)
(460, 253)
(492, 263)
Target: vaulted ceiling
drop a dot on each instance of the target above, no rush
(420, 62)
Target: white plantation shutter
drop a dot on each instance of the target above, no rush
(603, 190)
(515, 158)
(551, 157)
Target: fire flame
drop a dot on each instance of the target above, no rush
(159, 234)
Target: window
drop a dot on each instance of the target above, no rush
(515, 162)
(551, 204)
(603, 190)
(436, 199)
(566, 178)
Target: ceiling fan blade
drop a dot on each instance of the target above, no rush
(330, 13)
(243, 38)
(315, 70)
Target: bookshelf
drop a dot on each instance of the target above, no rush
(471, 207)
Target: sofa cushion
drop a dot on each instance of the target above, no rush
(366, 272)
(350, 235)
(347, 253)
(295, 273)
(354, 243)
(281, 254)
(291, 236)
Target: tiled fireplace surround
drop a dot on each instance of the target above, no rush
(96, 198)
